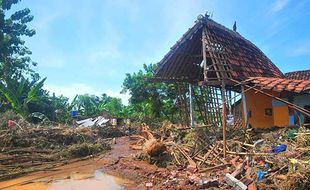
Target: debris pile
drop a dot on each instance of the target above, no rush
(89, 122)
(26, 149)
(267, 159)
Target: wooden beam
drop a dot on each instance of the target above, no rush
(215, 83)
(191, 113)
(214, 167)
(224, 118)
(170, 80)
(245, 110)
(204, 54)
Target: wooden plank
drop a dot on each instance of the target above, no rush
(214, 167)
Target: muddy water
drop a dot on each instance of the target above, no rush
(76, 176)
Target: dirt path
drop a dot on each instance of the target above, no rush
(122, 162)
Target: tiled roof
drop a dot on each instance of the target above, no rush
(243, 58)
(298, 75)
(280, 84)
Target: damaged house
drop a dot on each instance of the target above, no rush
(231, 70)
(286, 107)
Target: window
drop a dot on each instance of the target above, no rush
(268, 112)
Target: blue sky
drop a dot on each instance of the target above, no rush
(87, 46)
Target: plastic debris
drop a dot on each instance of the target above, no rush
(260, 175)
(279, 148)
(258, 142)
(291, 134)
(10, 123)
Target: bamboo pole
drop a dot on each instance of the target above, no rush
(191, 105)
(224, 118)
(204, 54)
(251, 153)
(244, 106)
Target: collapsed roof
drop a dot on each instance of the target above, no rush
(184, 60)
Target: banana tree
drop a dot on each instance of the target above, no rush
(86, 104)
(20, 93)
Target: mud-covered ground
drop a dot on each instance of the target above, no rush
(133, 167)
(29, 149)
(120, 162)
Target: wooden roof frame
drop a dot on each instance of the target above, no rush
(209, 51)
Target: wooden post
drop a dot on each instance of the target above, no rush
(245, 111)
(230, 102)
(224, 117)
(204, 55)
(191, 105)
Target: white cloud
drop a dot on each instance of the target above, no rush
(72, 90)
(123, 97)
(279, 5)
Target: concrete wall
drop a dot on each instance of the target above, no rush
(281, 116)
(256, 104)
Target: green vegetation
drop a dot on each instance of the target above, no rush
(21, 89)
(150, 101)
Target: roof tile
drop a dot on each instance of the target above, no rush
(280, 84)
(298, 75)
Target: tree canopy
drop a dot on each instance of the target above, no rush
(14, 55)
(21, 89)
(151, 101)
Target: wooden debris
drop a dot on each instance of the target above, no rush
(214, 167)
(250, 153)
(153, 147)
(205, 155)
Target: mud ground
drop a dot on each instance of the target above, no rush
(121, 162)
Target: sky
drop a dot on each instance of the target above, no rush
(87, 46)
